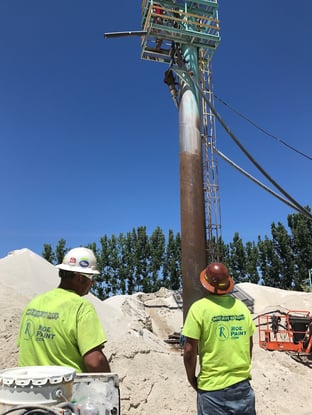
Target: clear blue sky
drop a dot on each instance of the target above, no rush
(89, 133)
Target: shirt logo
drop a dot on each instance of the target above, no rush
(222, 332)
(29, 330)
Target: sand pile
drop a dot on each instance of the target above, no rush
(151, 372)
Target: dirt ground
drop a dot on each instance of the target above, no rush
(150, 371)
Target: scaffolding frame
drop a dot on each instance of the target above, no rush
(193, 23)
(210, 162)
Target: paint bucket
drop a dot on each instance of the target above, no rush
(35, 386)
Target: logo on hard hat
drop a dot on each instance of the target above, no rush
(72, 260)
(84, 263)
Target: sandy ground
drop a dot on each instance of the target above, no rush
(151, 371)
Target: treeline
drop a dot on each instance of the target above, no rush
(132, 262)
(137, 261)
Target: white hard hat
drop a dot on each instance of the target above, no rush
(79, 260)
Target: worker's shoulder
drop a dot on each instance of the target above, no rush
(224, 300)
(60, 295)
(75, 298)
(41, 295)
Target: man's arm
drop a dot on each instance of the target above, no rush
(95, 361)
(251, 346)
(190, 360)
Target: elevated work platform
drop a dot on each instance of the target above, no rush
(172, 23)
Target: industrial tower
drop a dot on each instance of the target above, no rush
(184, 35)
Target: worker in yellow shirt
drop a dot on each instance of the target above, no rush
(60, 327)
(219, 329)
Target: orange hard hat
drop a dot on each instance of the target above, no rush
(216, 279)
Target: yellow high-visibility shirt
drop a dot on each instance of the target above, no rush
(223, 326)
(57, 329)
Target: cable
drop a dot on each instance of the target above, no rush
(256, 181)
(300, 208)
(31, 408)
(263, 130)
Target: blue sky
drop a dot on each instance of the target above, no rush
(89, 133)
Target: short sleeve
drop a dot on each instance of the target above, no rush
(90, 333)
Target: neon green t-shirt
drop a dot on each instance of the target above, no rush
(57, 329)
(223, 326)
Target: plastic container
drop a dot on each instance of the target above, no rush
(35, 385)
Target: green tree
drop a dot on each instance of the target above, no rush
(237, 261)
(128, 260)
(101, 282)
(60, 250)
(93, 248)
(125, 264)
(252, 253)
(223, 251)
(301, 241)
(141, 255)
(136, 262)
(269, 265)
(157, 253)
(283, 251)
(112, 276)
(172, 275)
(48, 253)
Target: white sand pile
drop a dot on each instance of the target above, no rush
(151, 371)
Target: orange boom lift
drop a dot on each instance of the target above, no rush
(287, 331)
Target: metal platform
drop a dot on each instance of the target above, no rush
(168, 23)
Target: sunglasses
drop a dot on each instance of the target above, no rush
(89, 276)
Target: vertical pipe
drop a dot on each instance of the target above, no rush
(191, 188)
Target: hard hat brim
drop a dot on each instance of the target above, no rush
(71, 268)
(211, 288)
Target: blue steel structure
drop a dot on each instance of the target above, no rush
(190, 23)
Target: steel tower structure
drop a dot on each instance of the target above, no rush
(184, 35)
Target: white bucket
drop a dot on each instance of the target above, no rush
(35, 385)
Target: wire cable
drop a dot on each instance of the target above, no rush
(287, 202)
(31, 408)
(262, 129)
(300, 208)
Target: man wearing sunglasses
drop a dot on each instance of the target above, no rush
(60, 327)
